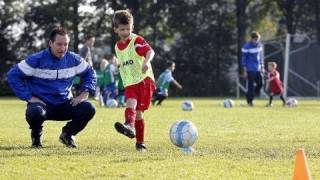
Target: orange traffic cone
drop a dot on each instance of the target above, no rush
(301, 170)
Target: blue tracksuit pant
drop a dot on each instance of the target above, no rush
(79, 116)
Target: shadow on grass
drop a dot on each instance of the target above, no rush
(123, 155)
(23, 150)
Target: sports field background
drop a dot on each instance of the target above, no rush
(237, 143)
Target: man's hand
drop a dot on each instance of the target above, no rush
(117, 92)
(82, 97)
(245, 74)
(36, 100)
(145, 67)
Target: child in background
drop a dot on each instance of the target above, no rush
(163, 83)
(274, 84)
(100, 86)
(109, 80)
(121, 98)
(134, 55)
(103, 64)
(76, 86)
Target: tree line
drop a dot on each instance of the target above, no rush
(203, 37)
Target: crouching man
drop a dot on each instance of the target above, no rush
(44, 81)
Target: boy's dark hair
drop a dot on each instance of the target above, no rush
(255, 35)
(89, 36)
(169, 64)
(58, 30)
(109, 57)
(122, 17)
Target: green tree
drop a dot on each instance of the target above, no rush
(299, 15)
(44, 15)
(10, 15)
(203, 46)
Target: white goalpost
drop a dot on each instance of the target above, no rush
(286, 66)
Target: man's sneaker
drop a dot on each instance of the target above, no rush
(36, 139)
(141, 147)
(247, 105)
(125, 129)
(269, 105)
(67, 140)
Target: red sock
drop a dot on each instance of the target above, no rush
(139, 125)
(130, 116)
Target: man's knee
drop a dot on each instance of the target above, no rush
(87, 109)
(35, 113)
(259, 84)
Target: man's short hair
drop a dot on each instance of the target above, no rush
(58, 30)
(122, 17)
(255, 35)
(272, 64)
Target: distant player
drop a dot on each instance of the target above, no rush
(109, 80)
(86, 50)
(163, 84)
(253, 66)
(134, 55)
(120, 88)
(274, 84)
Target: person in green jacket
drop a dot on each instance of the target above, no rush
(120, 87)
(109, 80)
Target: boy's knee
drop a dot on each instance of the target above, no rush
(139, 115)
(131, 103)
(163, 97)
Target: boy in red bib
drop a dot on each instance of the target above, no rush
(134, 56)
(274, 84)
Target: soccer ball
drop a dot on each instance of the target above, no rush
(183, 134)
(228, 103)
(292, 102)
(112, 103)
(187, 106)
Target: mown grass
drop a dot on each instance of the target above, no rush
(237, 143)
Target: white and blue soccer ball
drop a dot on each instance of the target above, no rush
(183, 134)
(228, 103)
(112, 103)
(291, 102)
(187, 106)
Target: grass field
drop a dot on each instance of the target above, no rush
(237, 143)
